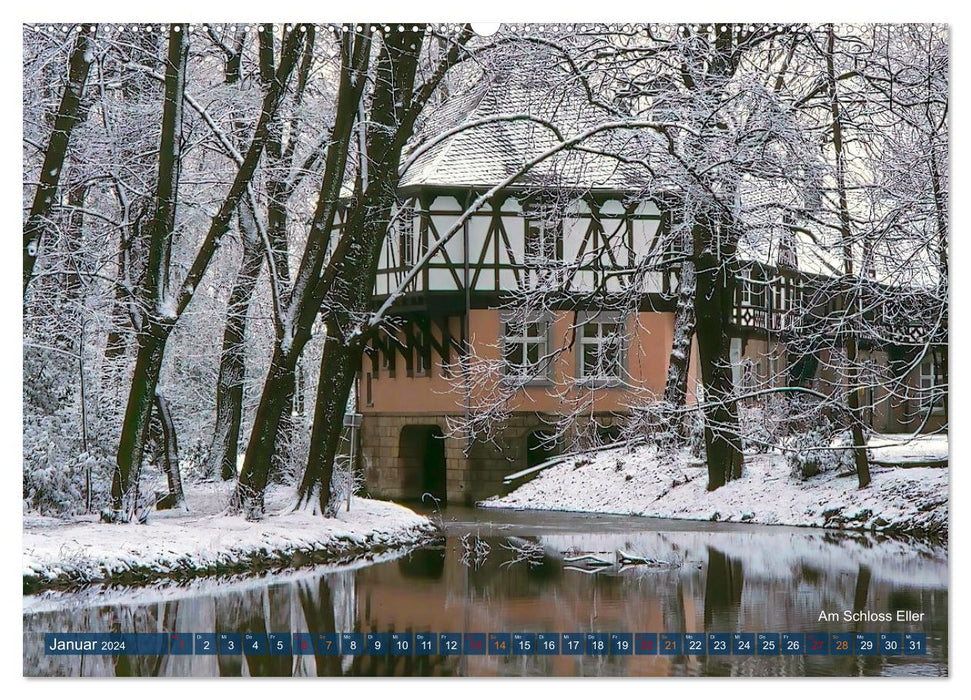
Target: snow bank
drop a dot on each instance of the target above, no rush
(179, 545)
(916, 450)
(640, 481)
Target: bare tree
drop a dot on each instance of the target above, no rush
(396, 103)
(162, 301)
(222, 211)
(68, 115)
(296, 309)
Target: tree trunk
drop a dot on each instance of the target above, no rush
(354, 273)
(856, 416)
(232, 363)
(251, 485)
(713, 312)
(155, 329)
(338, 367)
(283, 448)
(163, 308)
(296, 319)
(347, 281)
(170, 455)
(852, 307)
(676, 386)
(162, 229)
(224, 447)
(68, 116)
(117, 344)
(74, 238)
(135, 429)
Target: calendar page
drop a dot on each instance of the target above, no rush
(546, 349)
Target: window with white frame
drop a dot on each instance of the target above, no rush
(745, 289)
(932, 384)
(602, 349)
(779, 295)
(751, 288)
(525, 348)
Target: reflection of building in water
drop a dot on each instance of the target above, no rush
(754, 579)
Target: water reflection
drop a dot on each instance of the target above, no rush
(703, 577)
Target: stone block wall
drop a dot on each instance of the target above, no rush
(392, 469)
(389, 466)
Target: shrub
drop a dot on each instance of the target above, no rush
(811, 452)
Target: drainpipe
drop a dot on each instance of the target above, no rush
(465, 322)
(467, 355)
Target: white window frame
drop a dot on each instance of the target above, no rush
(602, 319)
(542, 264)
(541, 373)
(753, 292)
(927, 382)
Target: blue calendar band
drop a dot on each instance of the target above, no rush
(489, 643)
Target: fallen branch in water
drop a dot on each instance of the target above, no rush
(632, 559)
(589, 560)
(524, 550)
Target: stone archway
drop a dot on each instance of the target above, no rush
(421, 461)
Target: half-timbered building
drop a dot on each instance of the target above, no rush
(574, 209)
(576, 214)
(794, 308)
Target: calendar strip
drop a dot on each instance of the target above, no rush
(489, 643)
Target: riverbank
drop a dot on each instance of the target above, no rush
(640, 481)
(59, 553)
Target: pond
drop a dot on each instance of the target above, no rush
(506, 571)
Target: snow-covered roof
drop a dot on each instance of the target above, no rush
(771, 238)
(488, 154)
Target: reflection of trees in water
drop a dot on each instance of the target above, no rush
(742, 587)
(674, 618)
(228, 617)
(862, 590)
(317, 604)
(343, 586)
(723, 591)
(128, 620)
(427, 563)
(320, 597)
(724, 581)
(266, 610)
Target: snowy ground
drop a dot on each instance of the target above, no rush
(916, 450)
(62, 553)
(641, 482)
